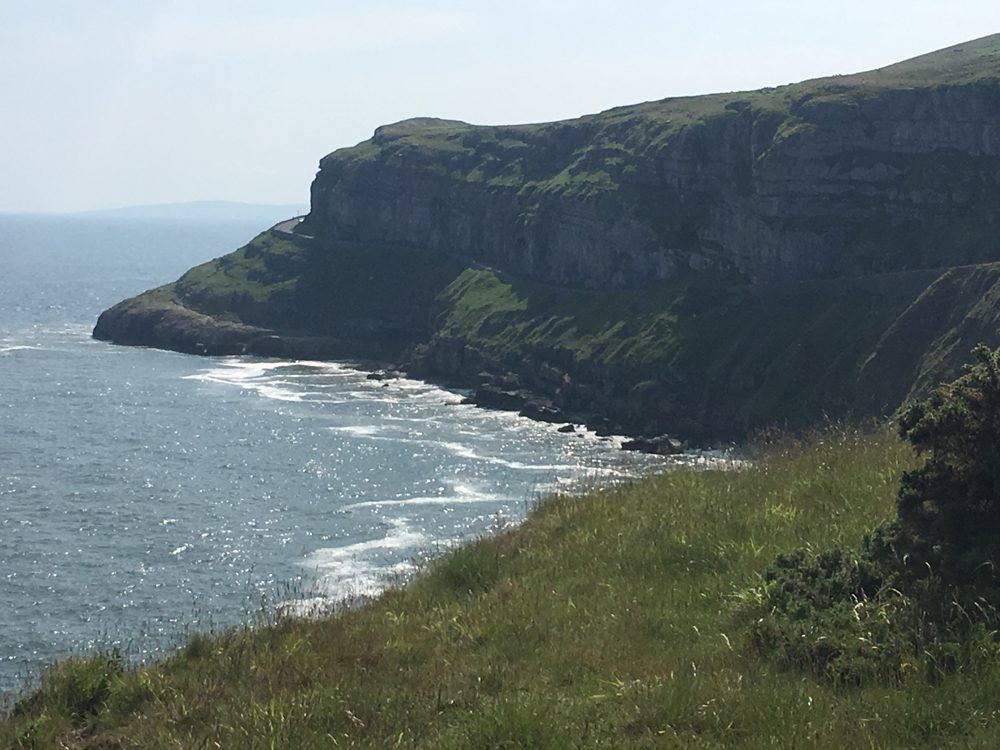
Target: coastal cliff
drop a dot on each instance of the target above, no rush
(699, 265)
(884, 171)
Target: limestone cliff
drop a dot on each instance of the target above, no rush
(891, 170)
(702, 265)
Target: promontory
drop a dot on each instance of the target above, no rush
(696, 266)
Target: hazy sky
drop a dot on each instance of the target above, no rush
(112, 103)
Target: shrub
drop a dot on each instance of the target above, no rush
(924, 585)
(949, 509)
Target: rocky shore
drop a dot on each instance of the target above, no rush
(176, 328)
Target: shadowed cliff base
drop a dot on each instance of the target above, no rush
(703, 355)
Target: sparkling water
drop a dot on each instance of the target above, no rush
(146, 493)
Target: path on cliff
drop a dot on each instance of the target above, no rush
(287, 226)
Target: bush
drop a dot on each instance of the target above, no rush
(924, 585)
(949, 509)
(830, 615)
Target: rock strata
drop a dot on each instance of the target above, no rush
(175, 327)
(871, 173)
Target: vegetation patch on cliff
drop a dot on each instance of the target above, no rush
(296, 286)
(701, 351)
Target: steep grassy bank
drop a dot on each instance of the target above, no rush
(701, 354)
(339, 300)
(616, 619)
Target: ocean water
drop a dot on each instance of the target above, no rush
(145, 494)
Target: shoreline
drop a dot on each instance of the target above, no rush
(174, 327)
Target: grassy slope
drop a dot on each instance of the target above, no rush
(294, 286)
(616, 619)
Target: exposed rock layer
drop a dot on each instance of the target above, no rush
(838, 177)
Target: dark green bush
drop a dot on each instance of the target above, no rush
(949, 509)
(832, 615)
(923, 586)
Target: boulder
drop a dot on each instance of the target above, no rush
(543, 411)
(663, 445)
(493, 397)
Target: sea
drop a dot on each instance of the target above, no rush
(146, 495)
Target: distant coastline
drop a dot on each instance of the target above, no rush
(210, 210)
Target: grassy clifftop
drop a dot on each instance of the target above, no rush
(606, 151)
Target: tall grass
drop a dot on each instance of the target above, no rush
(611, 619)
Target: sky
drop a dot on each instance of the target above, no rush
(114, 103)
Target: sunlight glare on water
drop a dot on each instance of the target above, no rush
(147, 493)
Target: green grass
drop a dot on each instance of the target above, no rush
(161, 297)
(258, 270)
(608, 327)
(307, 288)
(620, 618)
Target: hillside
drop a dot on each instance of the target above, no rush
(699, 265)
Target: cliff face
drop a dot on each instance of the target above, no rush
(838, 177)
(702, 265)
